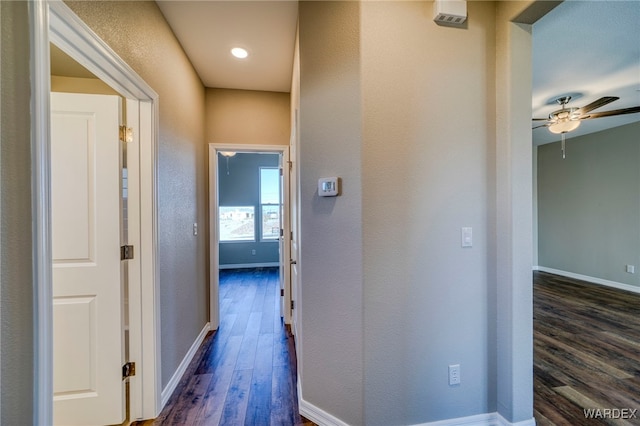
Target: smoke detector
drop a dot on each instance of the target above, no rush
(450, 12)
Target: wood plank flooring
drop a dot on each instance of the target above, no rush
(245, 373)
(586, 352)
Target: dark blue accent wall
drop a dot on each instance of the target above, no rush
(241, 187)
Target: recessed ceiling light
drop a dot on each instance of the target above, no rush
(239, 52)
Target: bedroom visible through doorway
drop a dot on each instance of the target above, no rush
(248, 214)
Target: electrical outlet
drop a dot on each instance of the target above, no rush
(454, 374)
(253, 252)
(631, 269)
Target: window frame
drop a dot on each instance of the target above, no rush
(262, 205)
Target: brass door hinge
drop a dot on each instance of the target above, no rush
(126, 134)
(128, 370)
(126, 252)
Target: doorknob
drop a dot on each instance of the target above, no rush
(292, 262)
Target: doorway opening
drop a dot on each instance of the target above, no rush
(54, 24)
(248, 216)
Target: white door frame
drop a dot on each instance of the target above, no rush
(214, 259)
(52, 21)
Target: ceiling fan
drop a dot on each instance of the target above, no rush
(568, 119)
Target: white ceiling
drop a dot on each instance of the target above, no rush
(588, 49)
(207, 30)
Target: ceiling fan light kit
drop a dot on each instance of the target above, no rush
(564, 126)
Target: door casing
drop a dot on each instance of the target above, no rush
(214, 260)
(53, 21)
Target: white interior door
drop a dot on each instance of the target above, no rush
(88, 349)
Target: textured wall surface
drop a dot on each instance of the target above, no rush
(138, 32)
(247, 117)
(16, 282)
(589, 205)
(384, 96)
(425, 175)
(331, 228)
(80, 85)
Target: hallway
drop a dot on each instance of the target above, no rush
(245, 373)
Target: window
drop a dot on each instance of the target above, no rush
(237, 223)
(270, 203)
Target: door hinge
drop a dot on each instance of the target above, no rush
(126, 134)
(291, 236)
(281, 232)
(290, 165)
(128, 370)
(293, 305)
(281, 171)
(126, 252)
(282, 292)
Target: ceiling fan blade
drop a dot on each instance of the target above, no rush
(597, 104)
(542, 125)
(631, 110)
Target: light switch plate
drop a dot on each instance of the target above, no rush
(467, 237)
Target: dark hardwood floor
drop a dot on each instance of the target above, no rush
(586, 352)
(244, 373)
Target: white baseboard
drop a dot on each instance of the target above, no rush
(488, 419)
(503, 422)
(315, 414)
(323, 418)
(175, 379)
(594, 280)
(249, 265)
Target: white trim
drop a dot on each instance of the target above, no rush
(488, 419)
(41, 237)
(249, 265)
(315, 414)
(593, 280)
(214, 255)
(53, 21)
(323, 418)
(73, 36)
(504, 422)
(175, 379)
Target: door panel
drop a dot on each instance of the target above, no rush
(87, 294)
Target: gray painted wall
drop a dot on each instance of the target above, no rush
(589, 205)
(16, 285)
(330, 262)
(426, 175)
(241, 187)
(388, 297)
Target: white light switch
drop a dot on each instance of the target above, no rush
(467, 237)
(328, 187)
